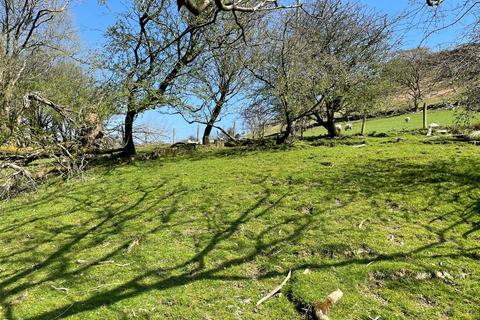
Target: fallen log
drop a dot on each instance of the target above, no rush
(23, 158)
(321, 309)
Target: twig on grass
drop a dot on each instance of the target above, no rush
(97, 262)
(132, 245)
(275, 290)
(321, 309)
(60, 288)
(361, 223)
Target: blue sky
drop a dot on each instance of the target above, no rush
(92, 19)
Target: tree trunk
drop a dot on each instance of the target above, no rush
(213, 118)
(331, 129)
(206, 134)
(286, 136)
(4, 127)
(332, 107)
(415, 105)
(128, 144)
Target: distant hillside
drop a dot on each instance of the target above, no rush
(447, 73)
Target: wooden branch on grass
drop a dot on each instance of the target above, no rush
(65, 290)
(100, 262)
(24, 159)
(274, 291)
(18, 170)
(362, 222)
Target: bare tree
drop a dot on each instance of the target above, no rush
(412, 71)
(350, 44)
(258, 116)
(220, 82)
(276, 62)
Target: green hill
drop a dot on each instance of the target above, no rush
(396, 124)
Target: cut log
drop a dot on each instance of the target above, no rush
(321, 309)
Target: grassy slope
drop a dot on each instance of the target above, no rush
(219, 230)
(397, 123)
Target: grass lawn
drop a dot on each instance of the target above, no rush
(206, 236)
(397, 124)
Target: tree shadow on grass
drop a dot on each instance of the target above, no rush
(106, 220)
(453, 181)
(135, 287)
(375, 177)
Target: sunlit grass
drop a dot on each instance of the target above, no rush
(396, 124)
(206, 236)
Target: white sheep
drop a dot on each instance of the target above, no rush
(407, 119)
(349, 126)
(338, 127)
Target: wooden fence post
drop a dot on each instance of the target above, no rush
(364, 123)
(424, 115)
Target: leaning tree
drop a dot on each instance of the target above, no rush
(148, 49)
(219, 82)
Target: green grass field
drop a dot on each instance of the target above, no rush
(397, 124)
(394, 225)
